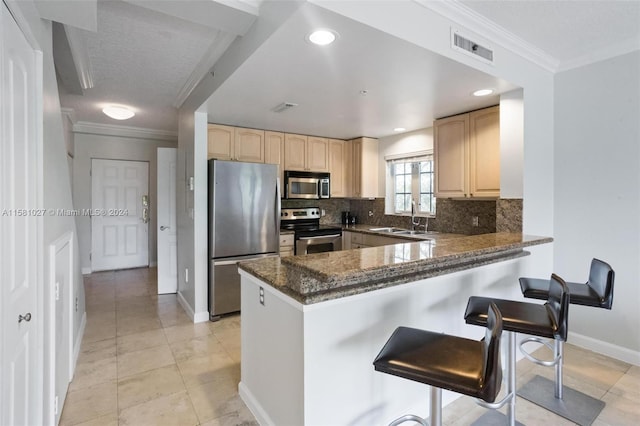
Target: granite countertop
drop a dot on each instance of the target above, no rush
(325, 276)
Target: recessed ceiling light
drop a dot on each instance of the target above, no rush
(483, 92)
(118, 112)
(322, 37)
(399, 129)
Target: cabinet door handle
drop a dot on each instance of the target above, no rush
(26, 317)
(162, 227)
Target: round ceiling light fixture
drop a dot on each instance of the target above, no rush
(118, 112)
(399, 129)
(322, 37)
(483, 92)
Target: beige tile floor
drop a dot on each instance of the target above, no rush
(143, 362)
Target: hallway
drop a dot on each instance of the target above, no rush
(143, 362)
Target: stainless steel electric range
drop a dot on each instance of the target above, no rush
(310, 236)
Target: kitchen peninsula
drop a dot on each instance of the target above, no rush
(312, 325)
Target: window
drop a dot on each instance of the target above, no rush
(412, 179)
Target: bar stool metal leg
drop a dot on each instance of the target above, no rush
(435, 411)
(559, 352)
(490, 417)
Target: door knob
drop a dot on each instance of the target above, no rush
(26, 318)
(162, 227)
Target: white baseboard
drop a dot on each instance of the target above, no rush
(185, 305)
(254, 406)
(604, 348)
(196, 317)
(201, 317)
(86, 271)
(78, 343)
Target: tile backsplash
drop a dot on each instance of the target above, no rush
(456, 216)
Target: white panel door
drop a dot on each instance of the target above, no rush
(20, 224)
(120, 214)
(167, 232)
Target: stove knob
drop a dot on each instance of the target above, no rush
(285, 214)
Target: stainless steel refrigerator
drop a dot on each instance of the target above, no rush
(244, 224)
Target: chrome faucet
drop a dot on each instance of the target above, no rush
(415, 222)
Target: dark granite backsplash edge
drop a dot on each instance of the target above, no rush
(452, 216)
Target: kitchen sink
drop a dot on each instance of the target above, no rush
(408, 232)
(389, 229)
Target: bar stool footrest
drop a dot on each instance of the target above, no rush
(493, 418)
(533, 358)
(575, 406)
(409, 418)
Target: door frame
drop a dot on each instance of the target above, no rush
(161, 195)
(38, 131)
(54, 248)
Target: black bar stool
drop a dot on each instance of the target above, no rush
(469, 367)
(576, 406)
(548, 320)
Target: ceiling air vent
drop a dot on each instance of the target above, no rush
(284, 107)
(465, 45)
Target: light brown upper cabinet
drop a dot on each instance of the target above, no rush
(249, 145)
(220, 141)
(274, 150)
(338, 167)
(467, 155)
(307, 153)
(235, 143)
(364, 170)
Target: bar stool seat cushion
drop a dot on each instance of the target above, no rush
(436, 359)
(581, 294)
(597, 292)
(521, 317)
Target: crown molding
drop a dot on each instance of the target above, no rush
(479, 24)
(80, 54)
(70, 113)
(608, 52)
(218, 47)
(123, 131)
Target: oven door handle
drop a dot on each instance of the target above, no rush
(321, 239)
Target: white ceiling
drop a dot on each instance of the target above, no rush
(407, 86)
(146, 52)
(142, 57)
(572, 32)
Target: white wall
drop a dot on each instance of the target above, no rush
(511, 144)
(597, 199)
(88, 146)
(403, 143)
(192, 160)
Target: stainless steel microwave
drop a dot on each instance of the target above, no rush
(306, 185)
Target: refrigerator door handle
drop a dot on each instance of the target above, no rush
(277, 215)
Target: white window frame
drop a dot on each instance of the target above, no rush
(415, 185)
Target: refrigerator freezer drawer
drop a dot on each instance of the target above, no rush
(224, 285)
(224, 289)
